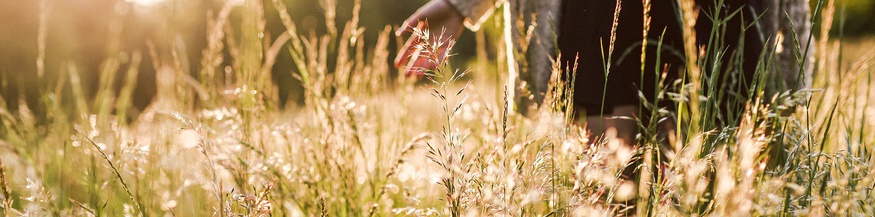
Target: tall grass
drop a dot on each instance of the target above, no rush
(368, 143)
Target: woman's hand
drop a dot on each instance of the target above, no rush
(438, 19)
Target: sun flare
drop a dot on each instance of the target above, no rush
(145, 2)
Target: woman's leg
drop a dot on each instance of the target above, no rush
(621, 122)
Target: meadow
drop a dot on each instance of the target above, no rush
(365, 141)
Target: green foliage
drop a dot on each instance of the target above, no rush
(856, 16)
(367, 143)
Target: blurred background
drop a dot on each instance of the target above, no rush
(80, 34)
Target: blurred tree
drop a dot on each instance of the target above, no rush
(78, 33)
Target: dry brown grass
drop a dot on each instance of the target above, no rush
(365, 144)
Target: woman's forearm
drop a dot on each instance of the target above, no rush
(475, 11)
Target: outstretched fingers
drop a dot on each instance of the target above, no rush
(423, 51)
(410, 45)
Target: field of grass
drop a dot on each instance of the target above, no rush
(366, 142)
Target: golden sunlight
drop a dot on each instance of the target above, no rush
(145, 2)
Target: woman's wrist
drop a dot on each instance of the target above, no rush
(455, 8)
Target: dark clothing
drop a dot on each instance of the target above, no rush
(585, 29)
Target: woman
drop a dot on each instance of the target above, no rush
(584, 29)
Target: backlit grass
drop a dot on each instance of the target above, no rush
(367, 142)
